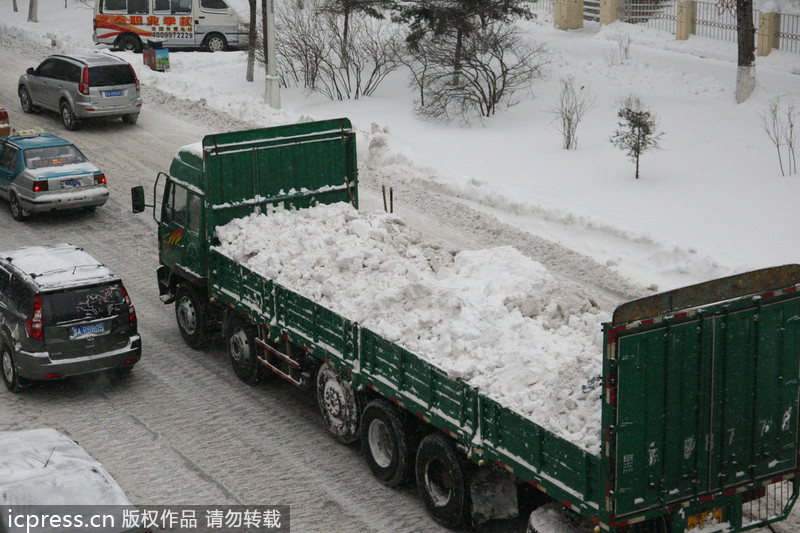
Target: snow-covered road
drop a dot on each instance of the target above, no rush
(182, 429)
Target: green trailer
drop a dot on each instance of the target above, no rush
(701, 386)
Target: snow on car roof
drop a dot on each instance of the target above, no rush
(57, 266)
(42, 466)
(35, 141)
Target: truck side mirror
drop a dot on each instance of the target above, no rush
(137, 199)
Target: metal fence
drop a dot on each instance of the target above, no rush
(718, 20)
(660, 14)
(789, 33)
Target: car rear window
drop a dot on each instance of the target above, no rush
(106, 75)
(53, 156)
(84, 303)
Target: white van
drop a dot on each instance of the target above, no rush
(208, 24)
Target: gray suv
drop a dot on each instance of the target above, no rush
(81, 86)
(62, 313)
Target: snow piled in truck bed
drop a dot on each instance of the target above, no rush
(494, 317)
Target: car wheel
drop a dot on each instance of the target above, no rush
(17, 211)
(68, 117)
(9, 370)
(216, 43)
(130, 119)
(130, 43)
(25, 100)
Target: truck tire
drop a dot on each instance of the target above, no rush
(384, 438)
(339, 404)
(242, 351)
(551, 518)
(190, 314)
(443, 481)
(9, 370)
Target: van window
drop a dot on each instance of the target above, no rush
(131, 7)
(106, 75)
(174, 7)
(213, 5)
(83, 303)
(114, 5)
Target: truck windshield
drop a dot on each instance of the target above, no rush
(83, 303)
(53, 156)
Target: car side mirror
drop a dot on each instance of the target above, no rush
(137, 199)
(30, 70)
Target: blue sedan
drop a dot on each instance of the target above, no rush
(42, 172)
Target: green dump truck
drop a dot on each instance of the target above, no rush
(700, 386)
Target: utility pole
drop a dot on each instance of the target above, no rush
(272, 95)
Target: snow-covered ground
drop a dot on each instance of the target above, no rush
(711, 202)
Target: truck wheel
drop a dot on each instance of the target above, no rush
(551, 518)
(17, 211)
(443, 481)
(190, 313)
(385, 441)
(338, 403)
(242, 351)
(69, 119)
(9, 370)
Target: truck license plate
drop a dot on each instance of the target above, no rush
(109, 94)
(70, 184)
(85, 331)
(706, 518)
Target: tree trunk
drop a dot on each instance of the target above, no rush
(33, 11)
(264, 7)
(16, 9)
(457, 59)
(746, 71)
(251, 45)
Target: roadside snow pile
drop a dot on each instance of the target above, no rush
(494, 318)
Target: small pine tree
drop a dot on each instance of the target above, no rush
(637, 131)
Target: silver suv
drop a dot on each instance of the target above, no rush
(62, 313)
(81, 86)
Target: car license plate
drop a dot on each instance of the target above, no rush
(70, 184)
(87, 330)
(704, 519)
(109, 94)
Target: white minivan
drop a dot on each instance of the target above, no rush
(208, 24)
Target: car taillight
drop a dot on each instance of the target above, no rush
(135, 79)
(129, 303)
(35, 326)
(100, 179)
(3, 115)
(40, 186)
(83, 86)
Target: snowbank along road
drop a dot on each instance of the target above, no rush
(182, 429)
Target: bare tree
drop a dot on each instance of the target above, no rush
(496, 64)
(619, 49)
(14, 3)
(313, 52)
(33, 11)
(573, 104)
(638, 129)
(746, 70)
(778, 122)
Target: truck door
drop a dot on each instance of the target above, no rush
(707, 405)
(181, 224)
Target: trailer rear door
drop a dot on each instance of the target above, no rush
(707, 404)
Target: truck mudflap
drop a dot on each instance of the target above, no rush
(165, 292)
